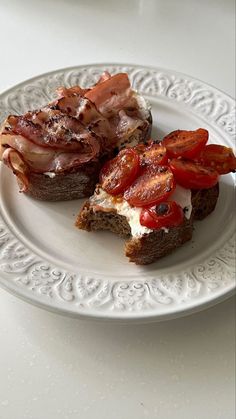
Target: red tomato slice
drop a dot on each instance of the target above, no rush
(152, 154)
(117, 174)
(192, 175)
(219, 157)
(151, 187)
(166, 214)
(186, 144)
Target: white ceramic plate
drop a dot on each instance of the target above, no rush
(47, 261)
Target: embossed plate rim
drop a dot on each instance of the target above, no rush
(145, 317)
(98, 64)
(150, 314)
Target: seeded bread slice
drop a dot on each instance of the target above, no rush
(156, 244)
(66, 186)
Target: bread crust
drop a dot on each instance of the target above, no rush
(64, 186)
(157, 244)
(204, 201)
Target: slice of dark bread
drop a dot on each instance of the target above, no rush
(156, 244)
(65, 186)
(204, 201)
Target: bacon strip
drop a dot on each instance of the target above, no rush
(42, 159)
(70, 91)
(111, 95)
(127, 125)
(56, 130)
(15, 162)
(86, 112)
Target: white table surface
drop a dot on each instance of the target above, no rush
(59, 368)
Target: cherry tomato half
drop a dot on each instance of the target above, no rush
(165, 214)
(192, 175)
(186, 144)
(151, 187)
(152, 154)
(219, 157)
(117, 174)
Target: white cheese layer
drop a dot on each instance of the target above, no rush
(181, 196)
(132, 214)
(50, 174)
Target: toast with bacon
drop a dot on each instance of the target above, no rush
(56, 152)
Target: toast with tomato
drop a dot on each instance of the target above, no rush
(151, 194)
(57, 152)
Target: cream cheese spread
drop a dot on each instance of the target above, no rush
(181, 196)
(50, 174)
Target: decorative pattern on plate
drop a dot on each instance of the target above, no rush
(39, 281)
(37, 276)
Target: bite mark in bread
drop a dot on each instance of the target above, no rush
(148, 247)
